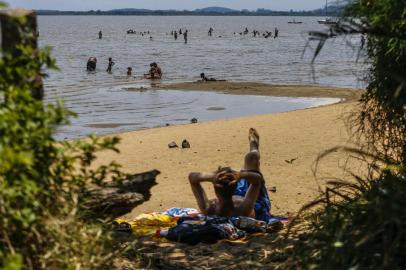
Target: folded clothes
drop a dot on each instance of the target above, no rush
(209, 231)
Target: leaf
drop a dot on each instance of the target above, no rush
(13, 262)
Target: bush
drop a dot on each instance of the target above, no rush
(41, 225)
(383, 118)
(362, 225)
(365, 231)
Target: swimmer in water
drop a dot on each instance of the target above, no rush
(91, 64)
(129, 71)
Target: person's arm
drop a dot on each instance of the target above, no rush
(255, 180)
(195, 180)
(252, 177)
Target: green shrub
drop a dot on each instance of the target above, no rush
(41, 225)
(362, 225)
(366, 231)
(383, 118)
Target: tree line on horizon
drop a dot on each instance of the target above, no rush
(210, 11)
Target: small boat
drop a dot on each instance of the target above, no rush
(327, 21)
(295, 22)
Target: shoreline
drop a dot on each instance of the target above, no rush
(300, 134)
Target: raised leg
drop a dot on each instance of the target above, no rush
(252, 158)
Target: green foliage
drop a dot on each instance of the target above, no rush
(366, 228)
(383, 117)
(41, 180)
(13, 262)
(367, 231)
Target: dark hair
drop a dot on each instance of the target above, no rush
(225, 191)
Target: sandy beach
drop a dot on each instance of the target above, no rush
(297, 135)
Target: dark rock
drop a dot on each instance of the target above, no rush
(193, 120)
(272, 189)
(185, 144)
(173, 145)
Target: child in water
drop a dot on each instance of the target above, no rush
(129, 71)
(110, 66)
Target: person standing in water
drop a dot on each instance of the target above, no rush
(100, 34)
(185, 36)
(175, 35)
(110, 66)
(211, 31)
(129, 71)
(276, 32)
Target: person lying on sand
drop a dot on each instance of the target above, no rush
(239, 193)
(203, 78)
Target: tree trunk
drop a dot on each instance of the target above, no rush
(117, 200)
(19, 27)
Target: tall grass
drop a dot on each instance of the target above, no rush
(362, 224)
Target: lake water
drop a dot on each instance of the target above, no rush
(232, 57)
(117, 109)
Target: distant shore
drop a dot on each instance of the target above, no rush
(297, 135)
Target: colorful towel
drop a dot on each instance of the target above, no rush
(146, 224)
(188, 224)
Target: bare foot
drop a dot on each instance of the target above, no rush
(253, 137)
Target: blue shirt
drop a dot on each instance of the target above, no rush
(262, 205)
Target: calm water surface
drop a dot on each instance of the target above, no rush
(101, 98)
(116, 109)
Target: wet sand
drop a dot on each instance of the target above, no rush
(252, 88)
(290, 144)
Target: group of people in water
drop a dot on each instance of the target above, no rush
(256, 33)
(184, 33)
(155, 71)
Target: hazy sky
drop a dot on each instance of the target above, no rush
(166, 4)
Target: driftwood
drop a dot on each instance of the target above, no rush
(116, 200)
(19, 27)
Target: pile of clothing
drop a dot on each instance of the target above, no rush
(187, 225)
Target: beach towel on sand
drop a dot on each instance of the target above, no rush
(146, 224)
(186, 225)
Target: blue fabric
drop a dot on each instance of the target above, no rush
(263, 204)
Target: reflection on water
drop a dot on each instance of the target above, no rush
(115, 109)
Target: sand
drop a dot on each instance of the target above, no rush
(250, 88)
(301, 135)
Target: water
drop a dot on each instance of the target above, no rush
(99, 97)
(238, 58)
(116, 109)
